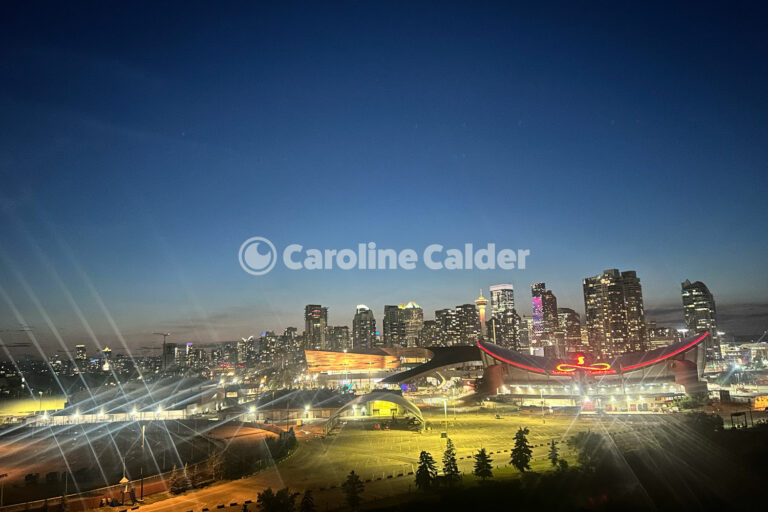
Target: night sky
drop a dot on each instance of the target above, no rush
(140, 145)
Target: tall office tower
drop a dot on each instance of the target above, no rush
(502, 298)
(615, 317)
(430, 334)
(570, 323)
(315, 321)
(413, 321)
(80, 354)
(339, 338)
(504, 329)
(393, 326)
(363, 328)
(468, 325)
(537, 303)
(481, 302)
(180, 355)
(447, 327)
(700, 315)
(246, 350)
(549, 312)
(169, 355)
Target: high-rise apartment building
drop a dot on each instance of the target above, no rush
(537, 304)
(700, 312)
(502, 298)
(392, 326)
(315, 323)
(570, 324)
(615, 316)
(468, 325)
(363, 328)
(413, 321)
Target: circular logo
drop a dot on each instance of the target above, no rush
(251, 258)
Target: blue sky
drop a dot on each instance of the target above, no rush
(140, 146)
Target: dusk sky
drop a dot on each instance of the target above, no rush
(139, 149)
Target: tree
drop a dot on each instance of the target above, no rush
(521, 453)
(177, 481)
(353, 487)
(426, 473)
(562, 464)
(215, 466)
(483, 468)
(450, 468)
(553, 455)
(307, 502)
(280, 501)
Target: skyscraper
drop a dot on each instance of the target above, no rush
(80, 354)
(413, 321)
(502, 298)
(615, 317)
(393, 333)
(447, 327)
(363, 328)
(504, 329)
(570, 323)
(339, 337)
(315, 322)
(699, 311)
(549, 312)
(545, 323)
(467, 324)
(537, 298)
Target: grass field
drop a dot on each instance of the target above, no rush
(384, 459)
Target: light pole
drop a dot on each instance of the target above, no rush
(143, 427)
(40, 393)
(445, 414)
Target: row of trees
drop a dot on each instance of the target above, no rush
(285, 501)
(520, 458)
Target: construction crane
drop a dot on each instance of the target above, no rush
(165, 337)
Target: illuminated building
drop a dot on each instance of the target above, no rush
(504, 329)
(549, 312)
(658, 375)
(80, 354)
(315, 322)
(323, 361)
(467, 324)
(699, 311)
(502, 298)
(615, 317)
(430, 334)
(481, 302)
(363, 328)
(393, 328)
(570, 323)
(339, 337)
(447, 325)
(413, 322)
(661, 336)
(537, 304)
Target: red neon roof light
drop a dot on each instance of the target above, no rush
(656, 360)
(539, 370)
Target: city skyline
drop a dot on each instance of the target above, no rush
(320, 332)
